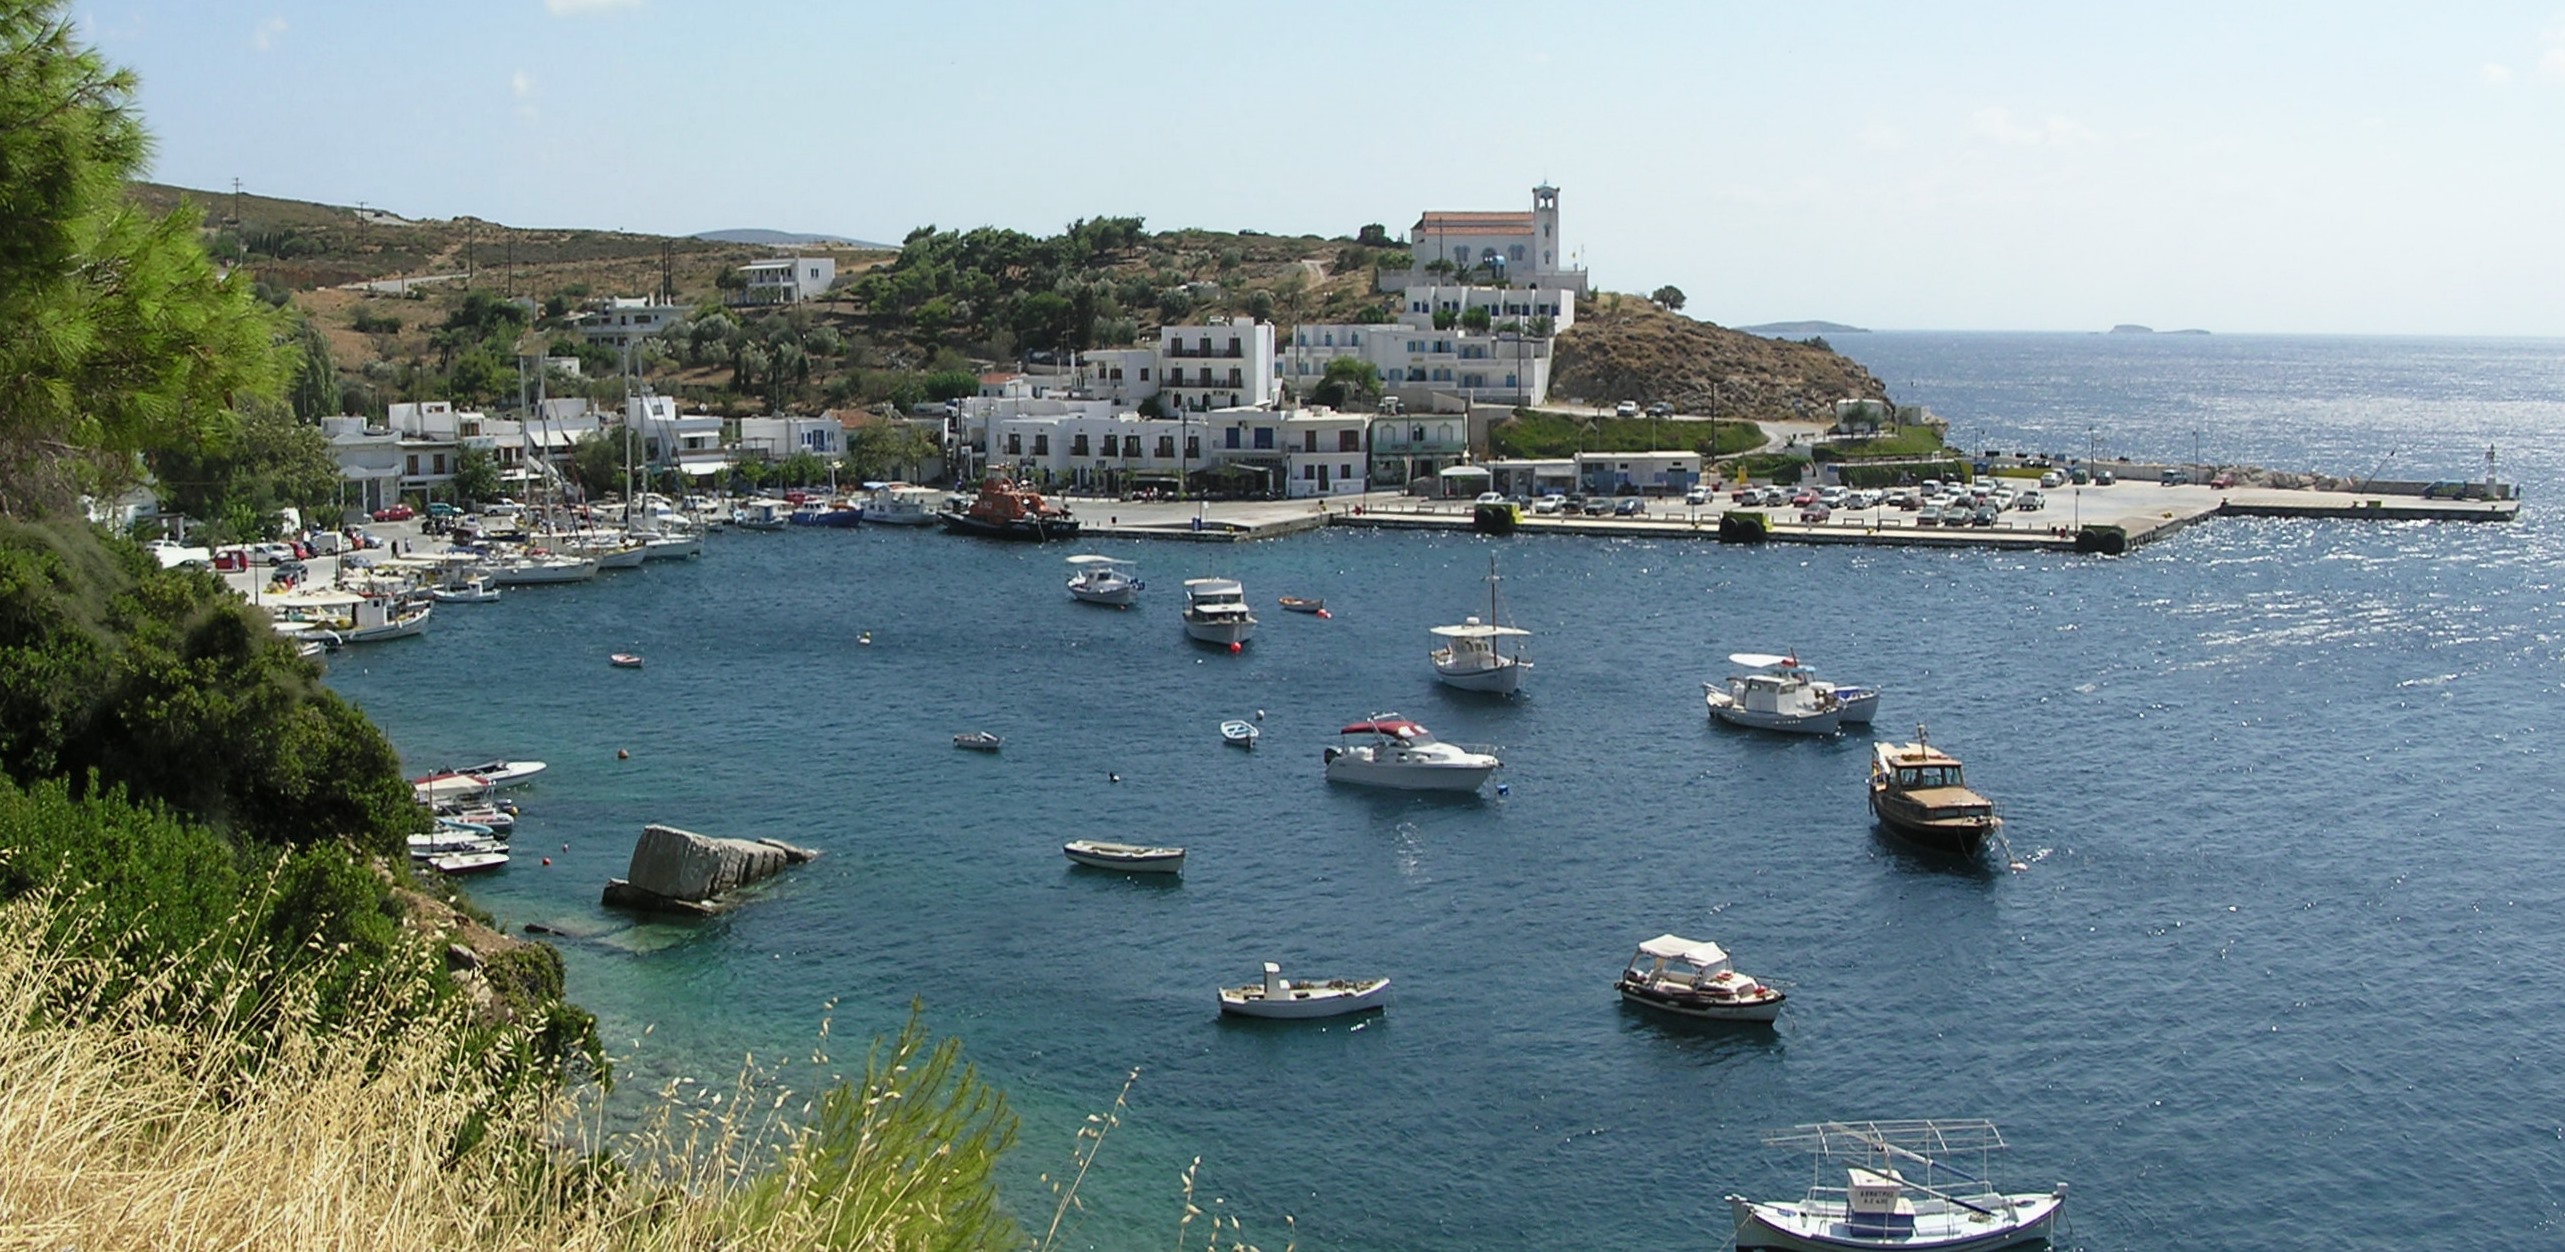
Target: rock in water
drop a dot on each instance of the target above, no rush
(679, 871)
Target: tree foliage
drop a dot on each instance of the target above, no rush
(117, 334)
(598, 459)
(265, 460)
(1347, 378)
(1668, 297)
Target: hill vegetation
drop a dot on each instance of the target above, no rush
(1624, 348)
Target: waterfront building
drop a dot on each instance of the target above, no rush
(775, 438)
(1226, 364)
(689, 443)
(1087, 445)
(1408, 447)
(1426, 368)
(1663, 473)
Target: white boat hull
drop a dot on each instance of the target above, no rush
(1129, 857)
(398, 628)
(1121, 596)
(1349, 766)
(1859, 703)
(672, 547)
(546, 572)
(1333, 998)
(1764, 1009)
(1220, 630)
(1503, 678)
(1821, 1227)
(1726, 709)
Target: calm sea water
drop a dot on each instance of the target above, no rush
(2281, 971)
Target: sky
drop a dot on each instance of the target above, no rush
(2350, 168)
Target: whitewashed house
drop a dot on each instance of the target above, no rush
(787, 280)
(1516, 248)
(623, 321)
(775, 438)
(1226, 364)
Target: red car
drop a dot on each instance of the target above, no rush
(395, 513)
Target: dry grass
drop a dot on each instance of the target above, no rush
(254, 1127)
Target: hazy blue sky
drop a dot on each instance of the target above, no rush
(2345, 167)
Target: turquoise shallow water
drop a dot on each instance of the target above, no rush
(2281, 960)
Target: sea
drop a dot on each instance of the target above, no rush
(2271, 957)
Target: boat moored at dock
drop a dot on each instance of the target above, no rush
(1104, 580)
(1005, 509)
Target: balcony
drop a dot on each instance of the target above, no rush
(1197, 351)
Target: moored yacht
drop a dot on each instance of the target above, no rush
(1400, 754)
(1919, 793)
(1777, 696)
(899, 504)
(1216, 611)
(1693, 978)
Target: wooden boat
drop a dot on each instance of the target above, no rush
(1905, 1192)
(1009, 510)
(1694, 979)
(470, 591)
(1278, 996)
(1296, 604)
(624, 660)
(978, 741)
(1132, 857)
(1917, 792)
(1239, 734)
(1474, 656)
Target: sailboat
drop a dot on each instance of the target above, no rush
(1475, 657)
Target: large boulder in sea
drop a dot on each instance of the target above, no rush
(679, 871)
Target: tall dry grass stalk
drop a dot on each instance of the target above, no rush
(251, 1124)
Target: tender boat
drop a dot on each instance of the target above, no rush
(475, 590)
(1008, 510)
(500, 821)
(766, 515)
(1240, 734)
(1783, 695)
(1474, 656)
(1694, 979)
(1133, 857)
(1297, 604)
(1918, 792)
(899, 504)
(1401, 754)
(978, 741)
(1216, 611)
(1104, 580)
(455, 835)
(1902, 1188)
(624, 660)
(1278, 996)
(504, 773)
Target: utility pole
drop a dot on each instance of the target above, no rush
(235, 202)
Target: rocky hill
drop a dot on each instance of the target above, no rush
(1625, 348)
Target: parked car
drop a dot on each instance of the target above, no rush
(2102, 478)
(1597, 506)
(1627, 408)
(1490, 497)
(395, 513)
(1549, 504)
(1660, 409)
(1815, 513)
(2052, 480)
(2223, 481)
(1929, 515)
(2173, 478)
(440, 509)
(1984, 516)
(272, 553)
(1697, 496)
(1746, 494)
(2029, 501)
(1632, 506)
(1804, 497)
(2082, 476)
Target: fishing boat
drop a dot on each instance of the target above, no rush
(832, 514)
(1240, 734)
(1278, 996)
(474, 590)
(624, 660)
(978, 741)
(1302, 604)
(1918, 792)
(763, 515)
(1402, 755)
(354, 617)
(899, 504)
(1216, 611)
(1693, 978)
(1132, 857)
(1474, 656)
(1905, 1185)
(1008, 510)
(1104, 580)
(1778, 695)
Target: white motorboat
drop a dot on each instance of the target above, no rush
(1104, 580)
(1238, 733)
(1474, 656)
(449, 785)
(474, 590)
(766, 515)
(900, 504)
(504, 773)
(1401, 754)
(978, 741)
(532, 569)
(1906, 1192)
(1133, 857)
(1782, 695)
(467, 862)
(355, 617)
(669, 545)
(1694, 979)
(1278, 996)
(500, 821)
(1216, 611)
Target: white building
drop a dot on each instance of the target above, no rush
(1125, 376)
(1089, 446)
(1224, 365)
(689, 443)
(1645, 473)
(1511, 248)
(788, 279)
(624, 321)
(775, 438)
(1417, 362)
(369, 461)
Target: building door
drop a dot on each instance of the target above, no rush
(1322, 480)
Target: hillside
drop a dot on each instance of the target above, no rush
(1625, 348)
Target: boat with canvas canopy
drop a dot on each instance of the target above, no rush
(1104, 580)
(1693, 978)
(1216, 611)
(1475, 656)
(1906, 1185)
(1784, 695)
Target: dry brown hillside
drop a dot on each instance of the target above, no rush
(1625, 348)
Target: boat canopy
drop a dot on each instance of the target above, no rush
(1917, 1139)
(1090, 558)
(1391, 725)
(1677, 948)
(1478, 630)
(1761, 660)
(1214, 587)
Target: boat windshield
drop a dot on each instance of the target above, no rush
(1929, 776)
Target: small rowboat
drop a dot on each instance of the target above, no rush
(1278, 996)
(1132, 857)
(978, 741)
(1239, 734)
(1295, 604)
(625, 660)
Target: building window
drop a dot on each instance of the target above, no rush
(1416, 434)
(1015, 445)
(1041, 445)
(414, 465)
(1264, 437)
(1144, 373)
(440, 462)
(1461, 255)
(1308, 472)
(1077, 445)
(1345, 472)
(1167, 447)
(1131, 445)
(1231, 438)
(1309, 441)
(1193, 447)
(1349, 441)
(1516, 252)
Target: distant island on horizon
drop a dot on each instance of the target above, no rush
(1803, 328)
(785, 238)
(2132, 328)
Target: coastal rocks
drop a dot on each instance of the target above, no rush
(679, 871)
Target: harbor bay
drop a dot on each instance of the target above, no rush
(2278, 788)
